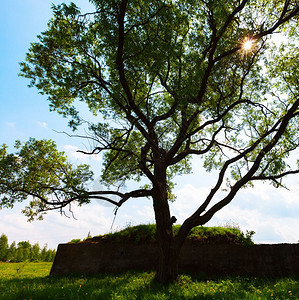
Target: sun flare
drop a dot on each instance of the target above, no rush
(247, 45)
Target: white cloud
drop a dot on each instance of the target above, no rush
(275, 202)
(72, 152)
(11, 124)
(42, 124)
(271, 213)
(268, 229)
(147, 214)
(189, 198)
(55, 228)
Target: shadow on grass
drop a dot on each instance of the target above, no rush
(143, 285)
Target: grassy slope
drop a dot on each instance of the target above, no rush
(147, 233)
(30, 281)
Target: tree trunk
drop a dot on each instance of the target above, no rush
(168, 264)
(168, 255)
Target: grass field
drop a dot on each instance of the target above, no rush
(31, 281)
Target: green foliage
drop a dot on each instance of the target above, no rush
(139, 233)
(169, 80)
(37, 169)
(75, 241)
(221, 234)
(147, 233)
(24, 252)
(32, 282)
(35, 253)
(4, 247)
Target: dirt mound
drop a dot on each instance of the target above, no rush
(202, 235)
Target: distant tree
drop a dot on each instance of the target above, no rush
(43, 254)
(35, 252)
(3, 247)
(19, 255)
(168, 80)
(24, 249)
(49, 255)
(12, 252)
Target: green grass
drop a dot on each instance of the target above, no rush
(31, 281)
(147, 233)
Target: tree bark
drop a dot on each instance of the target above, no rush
(168, 254)
(168, 264)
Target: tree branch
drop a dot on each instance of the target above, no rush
(246, 178)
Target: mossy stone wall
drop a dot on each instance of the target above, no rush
(209, 259)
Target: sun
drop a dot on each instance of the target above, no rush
(247, 44)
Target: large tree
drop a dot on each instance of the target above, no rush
(168, 80)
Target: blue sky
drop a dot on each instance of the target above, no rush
(272, 213)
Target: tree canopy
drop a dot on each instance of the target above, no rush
(168, 80)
